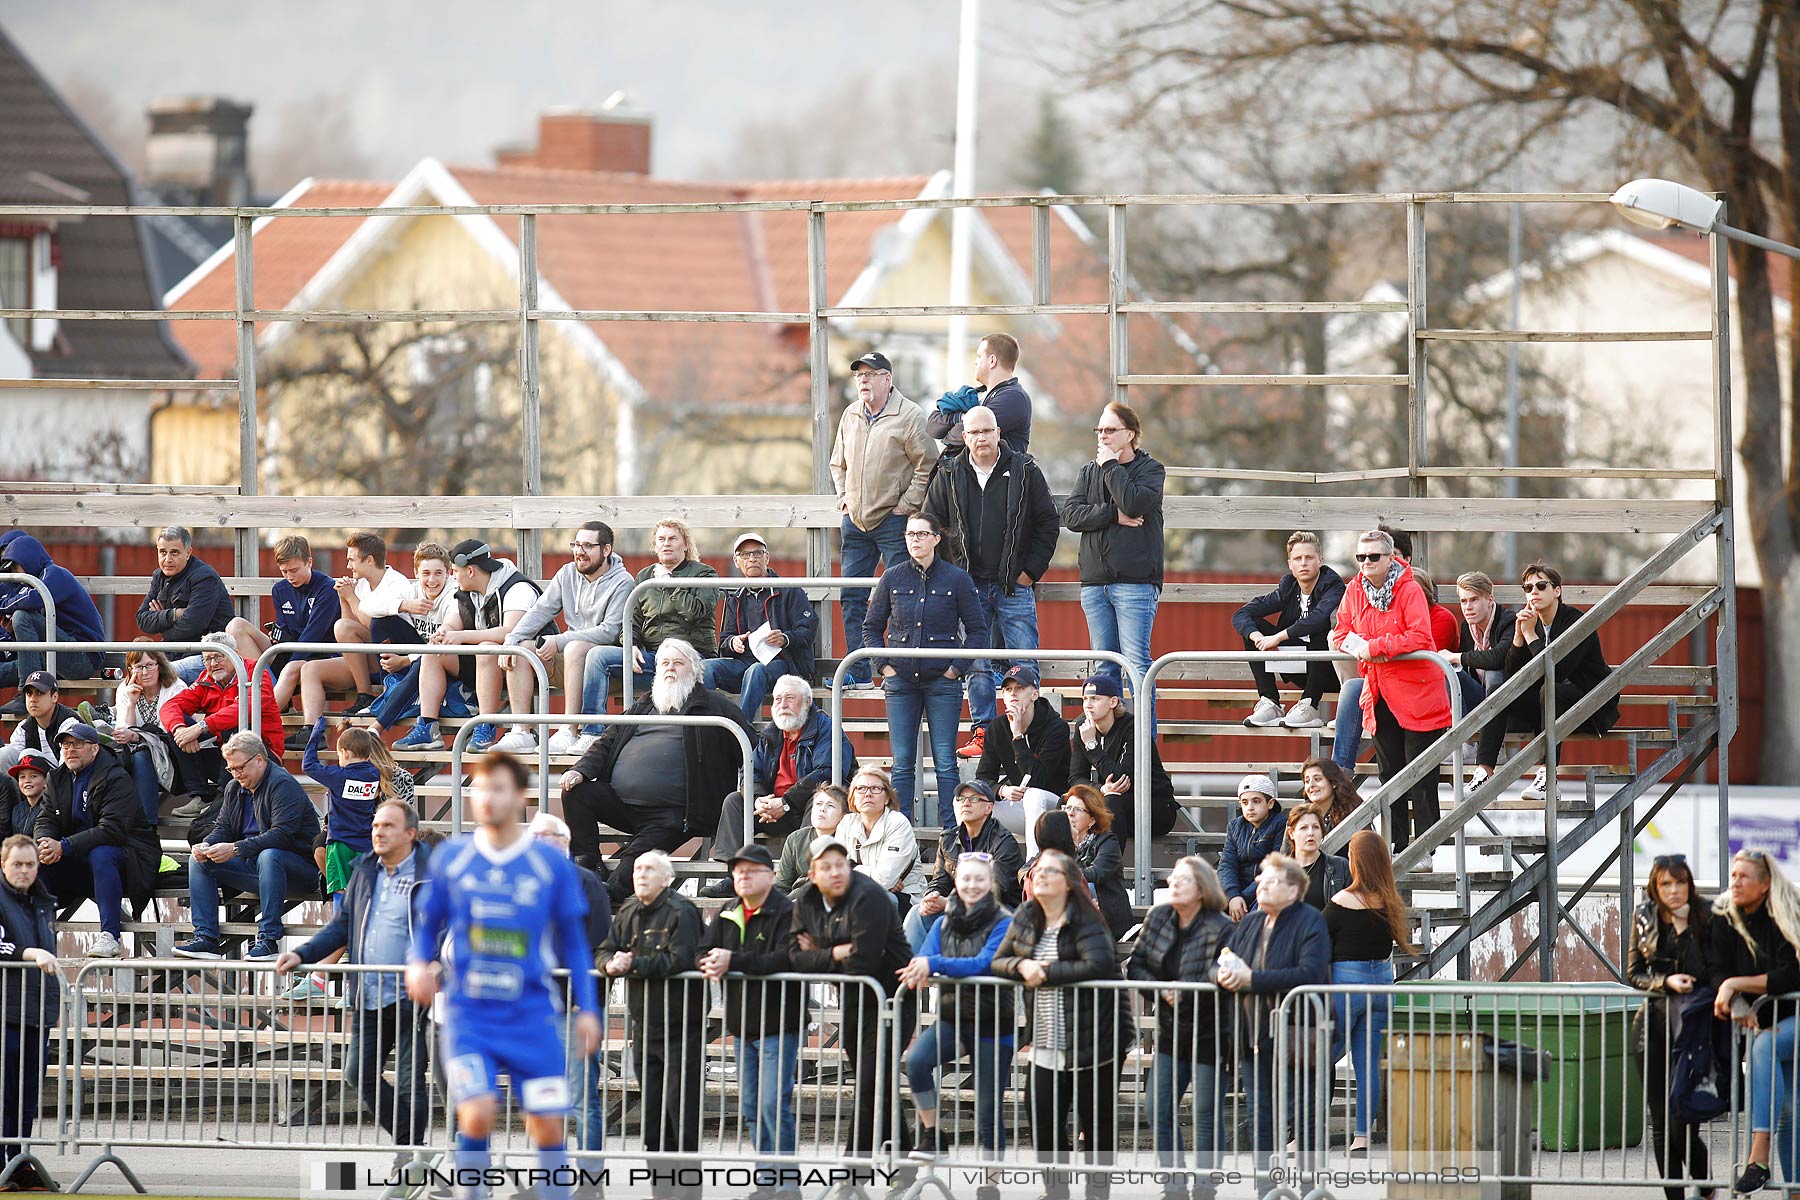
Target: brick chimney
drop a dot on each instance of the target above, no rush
(607, 139)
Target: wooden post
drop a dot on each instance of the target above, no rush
(246, 540)
(818, 348)
(1118, 330)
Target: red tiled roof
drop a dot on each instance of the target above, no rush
(1698, 249)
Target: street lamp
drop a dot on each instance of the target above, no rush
(1663, 204)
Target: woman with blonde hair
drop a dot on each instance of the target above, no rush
(882, 843)
(1366, 921)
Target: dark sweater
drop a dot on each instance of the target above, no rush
(1042, 754)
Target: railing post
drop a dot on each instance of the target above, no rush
(531, 541)
(49, 601)
(1724, 469)
(1549, 901)
(818, 346)
(246, 540)
(1417, 318)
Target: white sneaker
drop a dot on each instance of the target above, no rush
(1304, 715)
(1540, 785)
(106, 946)
(519, 741)
(562, 740)
(1265, 715)
(1477, 777)
(583, 744)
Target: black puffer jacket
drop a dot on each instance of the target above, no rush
(1027, 543)
(1098, 1031)
(1191, 1025)
(114, 818)
(987, 1008)
(1102, 860)
(1111, 552)
(28, 922)
(193, 604)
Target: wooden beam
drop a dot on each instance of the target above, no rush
(1264, 380)
(1426, 514)
(1264, 306)
(1565, 335)
(119, 385)
(968, 310)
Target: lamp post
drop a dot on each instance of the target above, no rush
(1664, 204)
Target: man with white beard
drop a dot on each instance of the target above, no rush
(660, 784)
(793, 757)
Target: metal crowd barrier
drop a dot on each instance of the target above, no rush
(168, 649)
(34, 1051)
(43, 591)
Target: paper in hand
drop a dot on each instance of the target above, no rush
(760, 645)
(1356, 643)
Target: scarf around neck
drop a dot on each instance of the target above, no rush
(1383, 597)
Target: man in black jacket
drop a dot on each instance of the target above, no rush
(93, 838)
(1000, 525)
(750, 938)
(1483, 629)
(1578, 671)
(793, 630)
(30, 1004)
(846, 924)
(1298, 613)
(186, 599)
(662, 784)
(996, 388)
(977, 831)
(1025, 756)
(654, 937)
(1102, 755)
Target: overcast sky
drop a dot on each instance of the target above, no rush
(455, 79)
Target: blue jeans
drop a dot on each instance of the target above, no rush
(28, 626)
(1119, 618)
(751, 680)
(1011, 625)
(939, 701)
(767, 1069)
(99, 874)
(596, 680)
(1362, 1020)
(887, 542)
(1346, 742)
(143, 776)
(189, 669)
(399, 699)
(586, 1104)
(275, 876)
(992, 1058)
(1771, 1078)
(1170, 1076)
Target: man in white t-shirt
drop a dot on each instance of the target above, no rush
(430, 602)
(370, 599)
(492, 596)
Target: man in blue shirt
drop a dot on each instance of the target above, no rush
(498, 904)
(306, 610)
(374, 922)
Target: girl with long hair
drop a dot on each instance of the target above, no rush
(1326, 874)
(1366, 921)
(1329, 790)
(1099, 853)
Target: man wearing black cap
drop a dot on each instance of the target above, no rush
(977, 832)
(45, 713)
(1025, 755)
(880, 464)
(92, 836)
(750, 938)
(1102, 755)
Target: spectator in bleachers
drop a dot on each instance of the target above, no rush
(846, 924)
(661, 784)
(1102, 754)
(1326, 874)
(927, 602)
(882, 843)
(44, 715)
(1329, 790)
(137, 729)
(32, 1002)
(1385, 615)
(654, 937)
(428, 607)
(881, 461)
(492, 596)
(186, 598)
(1052, 831)
(977, 1019)
(1347, 733)
(371, 600)
(77, 619)
(201, 716)
(793, 757)
(767, 1020)
(825, 813)
(1579, 670)
(371, 926)
(588, 592)
(259, 844)
(1480, 657)
(30, 780)
(1445, 634)
(1117, 508)
(93, 840)
(354, 787)
(1180, 943)
(1000, 526)
(1026, 754)
(663, 613)
(1078, 1037)
(1254, 832)
(1100, 855)
(306, 610)
(1299, 613)
(976, 832)
(793, 630)
(996, 388)
(1366, 921)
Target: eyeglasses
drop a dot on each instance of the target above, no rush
(1668, 860)
(1072, 809)
(920, 533)
(1103, 430)
(580, 546)
(868, 789)
(865, 376)
(751, 553)
(967, 797)
(1368, 558)
(1538, 585)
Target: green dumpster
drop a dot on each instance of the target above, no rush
(1593, 1098)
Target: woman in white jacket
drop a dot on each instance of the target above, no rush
(881, 839)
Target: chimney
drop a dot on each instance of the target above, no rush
(198, 150)
(611, 138)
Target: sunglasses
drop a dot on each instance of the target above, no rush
(1662, 861)
(1369, 558)
(975, 856)
(1538, 585)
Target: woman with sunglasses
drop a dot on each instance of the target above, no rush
(1078, 1038)
(1751, 954)
(1668, 958)
(1099, 854)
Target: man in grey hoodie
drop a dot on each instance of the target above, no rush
(590, 594)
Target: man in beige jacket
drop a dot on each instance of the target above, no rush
(880, 464)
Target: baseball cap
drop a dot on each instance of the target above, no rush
(824, 842)
(473, 552)
(39, 681)
(1259, 783)
(1101, 685)
(32, 760)
(1020, 673)
(78, 729)
(873, 358)
(979, 786)
(752, 853)
(744, 538)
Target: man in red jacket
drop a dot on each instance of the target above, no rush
(202, 715)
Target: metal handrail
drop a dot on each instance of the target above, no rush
(43, 591)
(163, 648)
(717, 583)
(459, 743)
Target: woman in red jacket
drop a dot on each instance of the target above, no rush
(1383, 616)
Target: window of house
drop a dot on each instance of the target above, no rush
(15, 284)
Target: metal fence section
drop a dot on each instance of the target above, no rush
(43, 590)
(34, 1054)
(166, 648)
